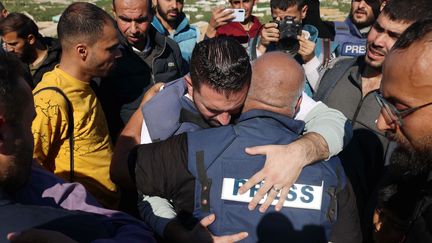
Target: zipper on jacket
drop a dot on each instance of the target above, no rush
(154, 58)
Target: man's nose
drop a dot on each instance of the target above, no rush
(134, 28)
(224, 118)
(10, 49)
(380, 40)
(362, 4)
(384, 125)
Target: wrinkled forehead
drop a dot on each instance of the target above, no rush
(132, 6)
(292, 11)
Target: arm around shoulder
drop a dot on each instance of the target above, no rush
(331, 125)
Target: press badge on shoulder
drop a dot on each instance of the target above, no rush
(299, 196)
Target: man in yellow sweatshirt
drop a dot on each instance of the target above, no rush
(90, 46)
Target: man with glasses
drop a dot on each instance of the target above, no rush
(350, 87)
(406, 109)
(393, 115)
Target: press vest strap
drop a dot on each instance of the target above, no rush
(188, 116)
(327, 53)
(204, 181)
(70, 130)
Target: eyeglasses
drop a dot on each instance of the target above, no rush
(391, 113)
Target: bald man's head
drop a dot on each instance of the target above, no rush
(277, 84)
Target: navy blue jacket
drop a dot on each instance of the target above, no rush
(224, 167)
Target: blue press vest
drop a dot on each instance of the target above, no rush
(224, 157)
(351, 42)
(162, 112)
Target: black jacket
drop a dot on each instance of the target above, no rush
(52, 59)
(121, 92)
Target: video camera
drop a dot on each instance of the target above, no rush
(289, 29)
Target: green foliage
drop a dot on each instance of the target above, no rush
(41, 12)
(45, 11)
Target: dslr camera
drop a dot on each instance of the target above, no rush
(289, 29)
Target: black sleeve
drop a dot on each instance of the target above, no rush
(161, 170)
(347, 227)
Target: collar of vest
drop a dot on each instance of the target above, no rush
(293, 125)
(353, 29)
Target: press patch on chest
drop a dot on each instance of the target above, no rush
(300, 195)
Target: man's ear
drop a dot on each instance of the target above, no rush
(304, 11)
(5, 13)
(377, 220)
(297, 106)
(189, 86)
(31, 39)
(82, 51)
(114, 11)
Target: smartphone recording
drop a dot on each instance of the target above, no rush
(239, 14)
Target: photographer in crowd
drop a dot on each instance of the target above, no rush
(287, 33)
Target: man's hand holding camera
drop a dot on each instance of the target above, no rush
(307, 48)
(269, 33)
(281, 31)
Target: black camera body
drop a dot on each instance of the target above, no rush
(289, 29)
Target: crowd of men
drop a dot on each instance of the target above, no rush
(128, 127)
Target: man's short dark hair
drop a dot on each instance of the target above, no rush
(285, 4)
(222, 63)
(415, 32)
(408, 11)
(11, 70)
(19, 23)
(82, 22)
